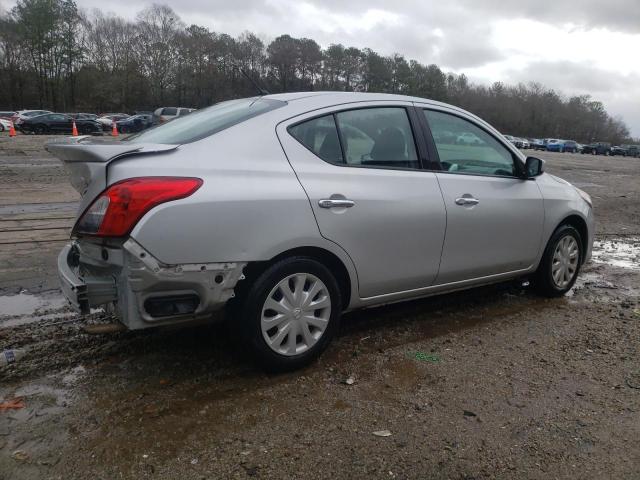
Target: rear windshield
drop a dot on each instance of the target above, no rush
(203, 123)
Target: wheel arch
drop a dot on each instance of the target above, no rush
(577, 222)
(324, 256)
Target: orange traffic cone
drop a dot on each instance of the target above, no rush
(114, 129)
(12, 130)
(74, 130)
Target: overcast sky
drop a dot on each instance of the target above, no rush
(575, 46)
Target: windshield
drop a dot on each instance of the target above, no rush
(203, 123)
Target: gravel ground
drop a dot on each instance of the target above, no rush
(489, 383)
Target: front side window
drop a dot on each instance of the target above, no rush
(466, 148)
(170, 111)
(366, 137)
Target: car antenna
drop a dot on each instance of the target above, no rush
(261, 91)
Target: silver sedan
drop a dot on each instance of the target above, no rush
(291, 209)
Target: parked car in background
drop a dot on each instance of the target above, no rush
(525, 143)
(135, 123)
(554, 145)
(537, 144)
(7, 115)
(619, 150)
(632, 150)
(344, 211)
(22, 115)
(58, 123)
(514, 140)
(83, 116)
(106, 120)
(597, 148)
(5, 125)
(165, 114)
(468, 139)
(570, 146)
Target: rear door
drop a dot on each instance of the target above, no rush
(361, 167)
(494, 218)
(59, 122)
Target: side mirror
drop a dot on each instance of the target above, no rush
(533, 167)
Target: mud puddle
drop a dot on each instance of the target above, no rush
(26, 307)
(623, 253)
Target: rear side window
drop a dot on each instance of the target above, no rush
(366, 137)
(320, 135)
(206, 122)
(184, 111)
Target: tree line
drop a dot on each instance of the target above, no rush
(54, 56)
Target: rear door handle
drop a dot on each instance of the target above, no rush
(467, 201)
(336, 202)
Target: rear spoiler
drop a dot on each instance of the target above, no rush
(91, 149)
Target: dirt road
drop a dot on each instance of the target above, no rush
(490, 383)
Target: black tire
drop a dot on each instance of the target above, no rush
(39, 130)
(248, 310)
(543, 280)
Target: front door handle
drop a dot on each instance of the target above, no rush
(467, 201)
(336, 202)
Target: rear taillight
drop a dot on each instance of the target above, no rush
(116, 210)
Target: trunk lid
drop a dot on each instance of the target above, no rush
(87, 158)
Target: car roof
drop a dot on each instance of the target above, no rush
(329, 97)
(302, 102)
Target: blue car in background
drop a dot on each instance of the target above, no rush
(554, 145)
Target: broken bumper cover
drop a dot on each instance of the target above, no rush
(143, 291)
(73, 287)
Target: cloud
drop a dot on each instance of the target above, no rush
(616, 15)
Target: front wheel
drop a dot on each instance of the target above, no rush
(290, 313)
(560, 264)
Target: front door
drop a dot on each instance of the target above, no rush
(361, 169)
(494, 218)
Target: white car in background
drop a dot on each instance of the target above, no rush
(107, 120)
(468, 138)
(22, 115)
(525, 143)
(5, 125)
(164, 114)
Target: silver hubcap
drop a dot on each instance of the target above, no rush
(295, 314)
(565, 261)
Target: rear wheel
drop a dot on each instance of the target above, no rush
(39, 130)
(560, 264)
(290, 313)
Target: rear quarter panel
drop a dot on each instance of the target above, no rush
(250, 207)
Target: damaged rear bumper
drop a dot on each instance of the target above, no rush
(143, 291)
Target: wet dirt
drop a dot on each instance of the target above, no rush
(494, 382)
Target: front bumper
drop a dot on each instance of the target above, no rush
(133, 282)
